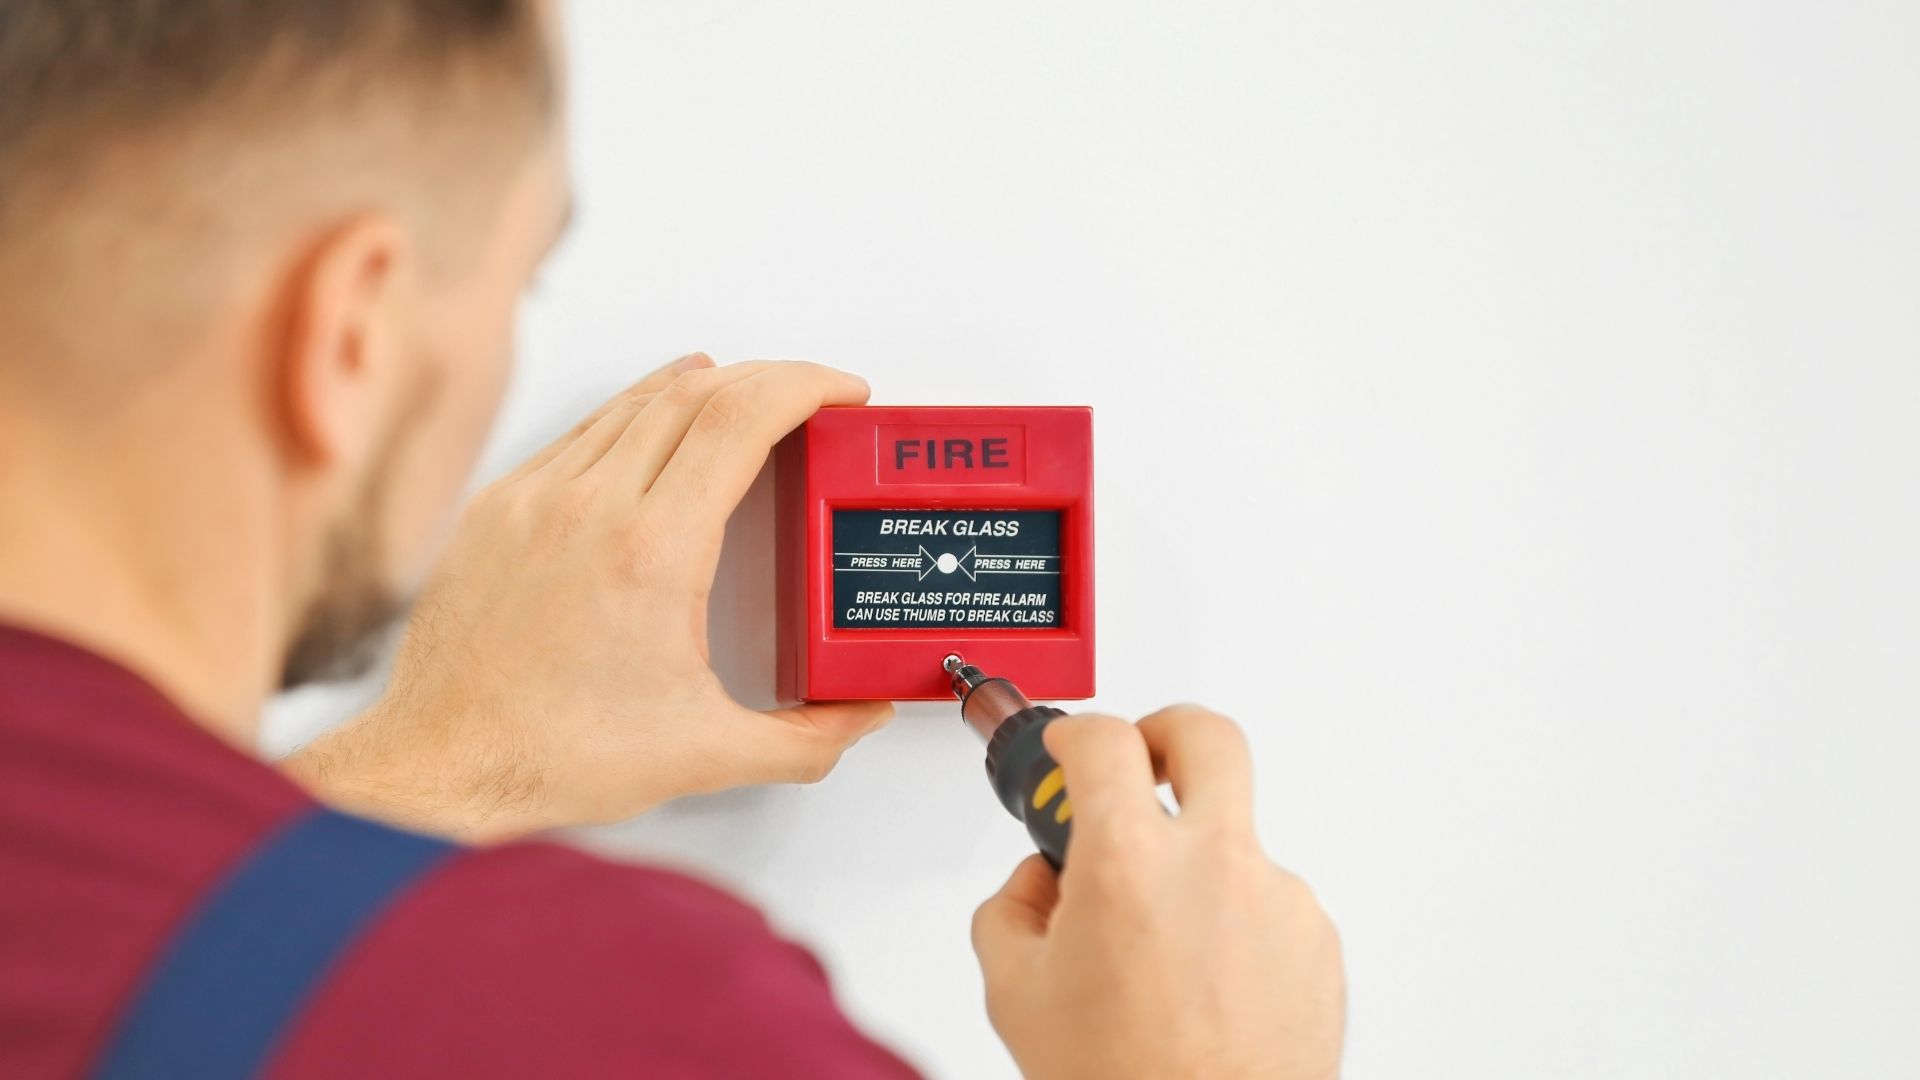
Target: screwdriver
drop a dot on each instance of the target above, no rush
(1027, 779)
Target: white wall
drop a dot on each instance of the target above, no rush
(1510, 411)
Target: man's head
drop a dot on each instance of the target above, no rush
(280, 243)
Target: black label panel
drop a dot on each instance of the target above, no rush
(946, 569)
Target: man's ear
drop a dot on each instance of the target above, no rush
(339, 341)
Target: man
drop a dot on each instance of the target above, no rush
(259, 262)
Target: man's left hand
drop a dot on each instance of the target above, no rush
(556, 670)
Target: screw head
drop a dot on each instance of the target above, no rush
(952, 663)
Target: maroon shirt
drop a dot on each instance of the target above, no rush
(118, 814)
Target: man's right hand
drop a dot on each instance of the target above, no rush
(1170, 946)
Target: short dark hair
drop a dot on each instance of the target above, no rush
(77, 73)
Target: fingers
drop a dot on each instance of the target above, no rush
(658, 379)
(1206, 759)
(591, 445)
(655, 382)
(1009, 927)
(634, 461)
(728, 441)
(1108, 770)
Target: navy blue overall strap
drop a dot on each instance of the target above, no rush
(240, 968)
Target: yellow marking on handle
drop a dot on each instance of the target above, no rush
(1065, 813)
(1049, 787)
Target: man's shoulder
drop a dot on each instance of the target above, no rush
(514, 899)
(547, 912)
(537, 959)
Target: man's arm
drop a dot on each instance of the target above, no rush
(555, 671)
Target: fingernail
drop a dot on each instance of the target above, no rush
(693, 360)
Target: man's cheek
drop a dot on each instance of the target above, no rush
(492, 388)
(482, 362)
(447, 440)
(474, 408)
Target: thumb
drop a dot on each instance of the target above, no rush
(844, 720)
(805, 741)
(1009, 928)
(849, 719)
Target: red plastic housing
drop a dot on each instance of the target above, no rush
(935, 459)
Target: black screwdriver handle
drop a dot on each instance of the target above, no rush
(1030, 783)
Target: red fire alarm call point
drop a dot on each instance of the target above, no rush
(906, 535)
